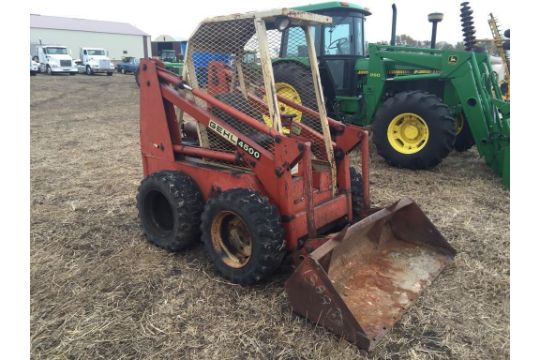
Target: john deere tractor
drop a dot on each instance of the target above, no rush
(420, 102)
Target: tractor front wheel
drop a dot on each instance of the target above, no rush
(170, 206)
(243, 235)
(414, 130)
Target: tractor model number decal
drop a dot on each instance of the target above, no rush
(233, 139)
(375, 74)
(247, 148)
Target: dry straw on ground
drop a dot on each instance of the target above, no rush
(99, 290)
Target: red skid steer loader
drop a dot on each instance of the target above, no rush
(258, 176)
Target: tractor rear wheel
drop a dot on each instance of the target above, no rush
(170, 206)
(414, 130)
(464, 138)
(243, 235)
(295, 82)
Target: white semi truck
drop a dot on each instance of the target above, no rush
(95, 60)
(53, 59)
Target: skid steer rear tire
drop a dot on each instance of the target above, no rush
(357, 195)
(425, 109)
(243, 235)
(170, 206)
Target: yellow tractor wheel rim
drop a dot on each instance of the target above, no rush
(288, 91)
(408, 133)
(460, 124)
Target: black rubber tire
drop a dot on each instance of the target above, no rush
(49, 70)
(239, 102)
(299, 77)
(357, 195)
(88, 70)
(264, 225)
(170, 207)
(109, 73)
(464, 140)
(436, 114)
(137, 79)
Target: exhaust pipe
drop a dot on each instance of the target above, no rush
(394, 18)
(434, 19)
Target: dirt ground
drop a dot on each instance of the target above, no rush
(100, 290)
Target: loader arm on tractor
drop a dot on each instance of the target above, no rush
(254, 191)
(471, 78)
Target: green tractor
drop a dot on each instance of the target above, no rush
(421, 103)
(171, 61)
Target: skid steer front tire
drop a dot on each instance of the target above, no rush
(414, 130)
(243, 235)
(170, 206)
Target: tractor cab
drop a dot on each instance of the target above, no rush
(338, 46)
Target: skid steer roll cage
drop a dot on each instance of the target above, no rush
(162, 148)
(310, 196)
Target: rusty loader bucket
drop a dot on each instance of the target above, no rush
(359, 283)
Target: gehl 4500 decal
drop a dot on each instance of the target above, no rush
(233, 139)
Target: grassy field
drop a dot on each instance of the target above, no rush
(100, 290)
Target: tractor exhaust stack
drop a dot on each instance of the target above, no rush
(394, 19)
(434, 18)
(360, 282)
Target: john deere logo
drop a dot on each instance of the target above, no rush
(452, 59)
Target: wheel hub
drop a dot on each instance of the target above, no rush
(287, 91)
(408, 133)
(231, 238)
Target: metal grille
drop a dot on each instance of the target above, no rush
(66, 63)
(224, 59)
(104, 64)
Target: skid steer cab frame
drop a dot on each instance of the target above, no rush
(258, 175)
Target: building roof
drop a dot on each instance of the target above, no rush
(62, 23)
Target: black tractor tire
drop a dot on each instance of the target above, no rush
(170, 205)
(49, 70)
(439, 122)
(109, 73)
(464, 139)
(357, 195)
(260, 223)
(89, 70)
(239, 102)
(300, 78)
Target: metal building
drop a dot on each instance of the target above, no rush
(167, 42)
(120, 39)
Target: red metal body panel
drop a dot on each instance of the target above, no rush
(304, 199)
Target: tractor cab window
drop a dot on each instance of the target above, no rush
(344, 37)
(338, 36)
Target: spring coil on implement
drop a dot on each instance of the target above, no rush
(467, 25)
